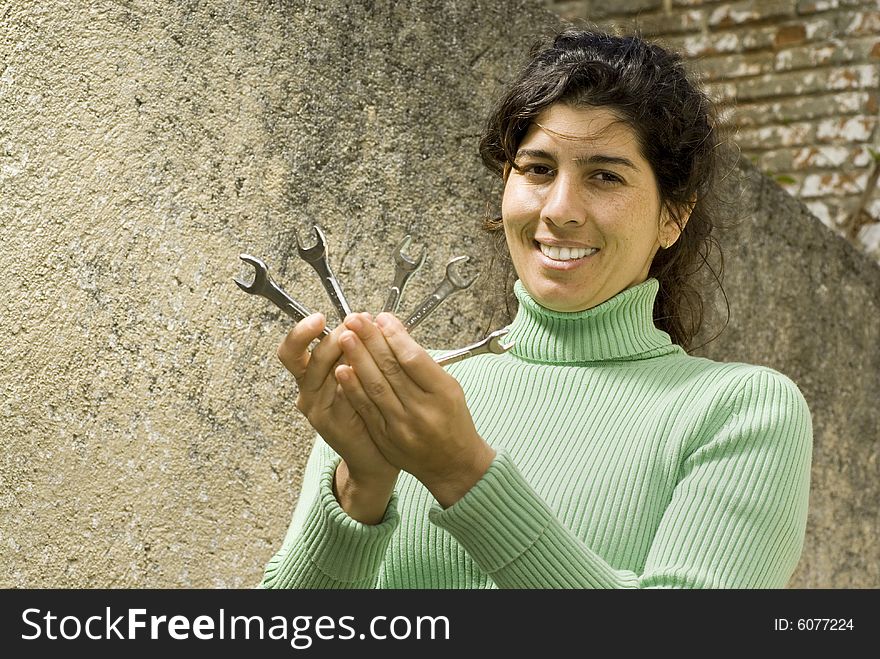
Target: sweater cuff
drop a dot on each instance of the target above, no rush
(498, 519)
(341, 547)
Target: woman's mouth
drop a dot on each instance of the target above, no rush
(564, 257)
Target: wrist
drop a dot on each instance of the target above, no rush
(364, 499)
(452, 487)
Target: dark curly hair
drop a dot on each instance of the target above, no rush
(648, 88)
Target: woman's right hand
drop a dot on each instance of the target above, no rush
(365, 479)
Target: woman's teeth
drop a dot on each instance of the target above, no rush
(566, 253)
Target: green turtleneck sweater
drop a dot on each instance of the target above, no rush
(622, 462)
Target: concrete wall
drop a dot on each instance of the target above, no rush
(804, 301)
(149, 433)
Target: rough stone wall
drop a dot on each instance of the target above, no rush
(806, 302)
(149, 434)
(798, 83)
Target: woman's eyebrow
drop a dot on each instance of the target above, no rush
(601, 158)
(596, 158)
(534, 153)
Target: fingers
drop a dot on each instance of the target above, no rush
(324, 358)
(415, 362)
(387, 360)
(310, 368)
(360, 402)
(378, 349)
(294, 349)
(375, 371)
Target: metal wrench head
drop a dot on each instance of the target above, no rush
(452, 276)
(405, 263)
(494, 344)
(317, 251)
(261, 275)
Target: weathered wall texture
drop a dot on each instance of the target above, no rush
(798, 81)
(149, 435)
(804, 301)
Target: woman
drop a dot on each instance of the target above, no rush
(596, 453)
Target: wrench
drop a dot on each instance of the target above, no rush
(404, 268)
(490, 345)
(450, 284)
(263, 285)
(316, 256)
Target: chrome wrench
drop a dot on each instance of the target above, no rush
(264, 285)
(316, 256)
(404, 268)
(452, 283)
(490, 345)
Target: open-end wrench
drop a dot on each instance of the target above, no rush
(316, 256)
(490, 345)
(452, 283)
(263, 285)
(404, 268)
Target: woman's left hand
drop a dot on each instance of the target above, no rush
(414, 411)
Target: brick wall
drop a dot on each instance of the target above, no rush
(798, 84)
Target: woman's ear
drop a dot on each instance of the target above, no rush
(670, 230)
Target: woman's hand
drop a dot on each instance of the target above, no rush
(365, 479)
(414, 411)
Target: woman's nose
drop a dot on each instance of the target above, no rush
(563, 205)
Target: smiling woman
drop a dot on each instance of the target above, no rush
(582, 213)
(640, 96)
(596, 453)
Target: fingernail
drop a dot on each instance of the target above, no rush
(383, 320)
(347, 339)
(354, 322)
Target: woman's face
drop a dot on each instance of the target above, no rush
(581, 209)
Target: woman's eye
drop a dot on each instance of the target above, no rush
(610, 178)
(537, 170)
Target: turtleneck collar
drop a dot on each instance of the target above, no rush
(621, 328)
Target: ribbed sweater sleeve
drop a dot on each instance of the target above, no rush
(324, 547)
(736, 518)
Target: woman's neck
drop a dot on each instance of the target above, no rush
(621, 328)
